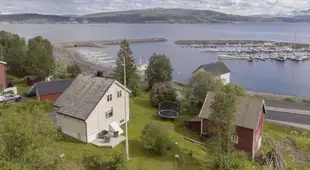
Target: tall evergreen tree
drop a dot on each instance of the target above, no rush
(132, 77)
(159, 70)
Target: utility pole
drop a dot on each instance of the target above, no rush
(126, 119)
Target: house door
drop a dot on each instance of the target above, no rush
(79, 136)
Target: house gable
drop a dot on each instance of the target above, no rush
(100, 117)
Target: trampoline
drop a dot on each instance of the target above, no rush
(168, 110)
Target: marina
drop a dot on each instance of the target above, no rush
(251, 49)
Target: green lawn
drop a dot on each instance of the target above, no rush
(22, 88)
(292, 142)
(141, 113)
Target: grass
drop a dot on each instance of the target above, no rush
(142, 113)
(22, 88)
(293, 143)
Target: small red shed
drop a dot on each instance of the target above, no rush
(51, 90)
(31, 80)
(250, 114)
(3, 81)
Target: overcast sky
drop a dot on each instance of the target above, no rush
(79, 7)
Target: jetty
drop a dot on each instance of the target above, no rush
(103, 43)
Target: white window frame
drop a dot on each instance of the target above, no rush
(108, 113)
(235, 139)
(109, 97)
(119, 94)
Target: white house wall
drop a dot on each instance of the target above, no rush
(225, 78)
(72, 127)
(97, 121)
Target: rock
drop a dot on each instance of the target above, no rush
(62, 155)
(176, 156)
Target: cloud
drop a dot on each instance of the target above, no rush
(79, 7)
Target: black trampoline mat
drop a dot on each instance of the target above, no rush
(168, 113)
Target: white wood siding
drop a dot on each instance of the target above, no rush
(97, 121)
(72, 127)
(225, 78)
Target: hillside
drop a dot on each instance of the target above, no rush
(157, 15)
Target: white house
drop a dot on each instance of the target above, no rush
(217, 69)
(91, 105)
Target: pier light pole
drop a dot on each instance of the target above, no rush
(126, 119)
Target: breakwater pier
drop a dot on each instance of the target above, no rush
(102, 43)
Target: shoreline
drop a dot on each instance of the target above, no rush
(68, 57)
(102, 43)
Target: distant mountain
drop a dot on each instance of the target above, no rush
(156, 15)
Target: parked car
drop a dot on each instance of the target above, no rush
(9, 98)
(31, 92)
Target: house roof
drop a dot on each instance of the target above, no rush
(33, 77)
(51, 87)
(248, 110)
(82, 96)
(215, 69)
(2, 62)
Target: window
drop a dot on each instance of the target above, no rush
(235, 139)
(119, 94)
(109, 97)
(109, 113)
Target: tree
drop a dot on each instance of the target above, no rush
(40, 59)
(162, 92)
(13, 50)
(28, 137)
(74, 70)
(159, 70)
(200, 83)
(222, 119)
(132, 77)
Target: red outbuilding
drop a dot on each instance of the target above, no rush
(31, 80)
(51, 90)
(3, 81)
(250, 114)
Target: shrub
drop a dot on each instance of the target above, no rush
(16, 80)
(156, 139)
(290, 99)
(94, 162)
(118, 161)
(162, 92)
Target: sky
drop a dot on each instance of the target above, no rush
(80, 7)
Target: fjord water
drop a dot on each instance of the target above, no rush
(270, 76)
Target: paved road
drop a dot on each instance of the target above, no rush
(286, 105)
(288, 117)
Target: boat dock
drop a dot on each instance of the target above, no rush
(277, 57)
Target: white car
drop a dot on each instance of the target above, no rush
(8, 98)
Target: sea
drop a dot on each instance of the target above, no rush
(288, 77)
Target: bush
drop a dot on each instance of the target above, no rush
(94, 162)
(118, 161)
(162, 92)
(156, 139)
(16, 80)
(290, 99)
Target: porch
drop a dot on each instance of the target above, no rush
(110, 143)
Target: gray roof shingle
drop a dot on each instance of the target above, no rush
(52, 87)
(247, 114)
(215, 69)
(82, 96)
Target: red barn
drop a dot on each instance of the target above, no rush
(51, 90)
(250, 114)
(31, 80)
(3, 81)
